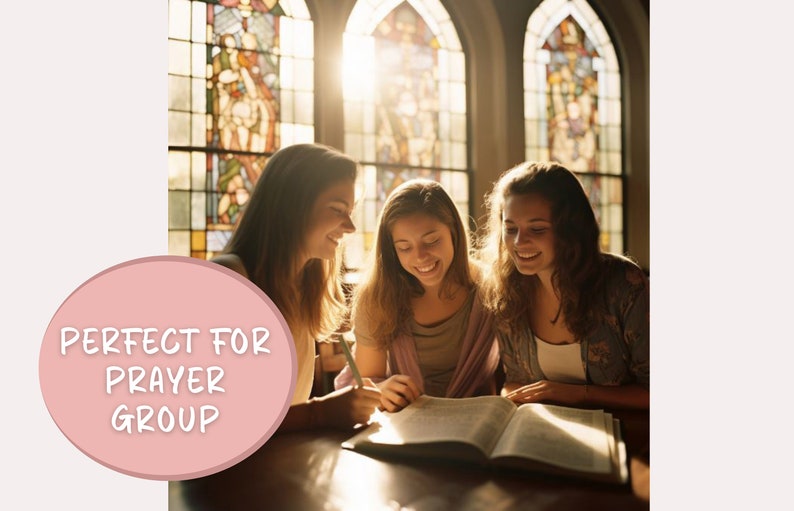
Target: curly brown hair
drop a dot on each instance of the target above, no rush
(577, 263)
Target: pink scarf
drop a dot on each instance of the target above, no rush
(477, 364)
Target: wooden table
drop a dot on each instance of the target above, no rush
(309, 471)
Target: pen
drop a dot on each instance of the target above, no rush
(351, 362)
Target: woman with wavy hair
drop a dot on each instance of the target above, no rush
(287, 244)
(573, 321)
(417, 315)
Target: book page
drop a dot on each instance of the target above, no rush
(619, 465)
(478, 421)
(571, 438)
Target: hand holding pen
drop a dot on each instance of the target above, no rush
(397, 391)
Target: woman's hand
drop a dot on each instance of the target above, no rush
(347, 407)
(545, 391)
(397, 392)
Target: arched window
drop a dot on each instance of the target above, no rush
(405, 105)
(241, 85)
(572, 105)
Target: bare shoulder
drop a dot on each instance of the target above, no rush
(231, 261)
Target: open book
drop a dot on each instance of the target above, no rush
(492, 430)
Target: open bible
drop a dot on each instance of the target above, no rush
(493, 431)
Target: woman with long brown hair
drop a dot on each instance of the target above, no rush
(573, 321)
(286, 243)
(418, 320)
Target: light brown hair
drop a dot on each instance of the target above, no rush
(271, 234)
(384, 295)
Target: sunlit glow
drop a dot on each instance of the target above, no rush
(358, 68)
(387, 433)
(590, 436)
(361, 482)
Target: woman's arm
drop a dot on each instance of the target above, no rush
(398, 390)
(629, 300)
(636, 324)
(370, 360)
(622, 396)
(341, 409)
(545, 391)
(509, 387)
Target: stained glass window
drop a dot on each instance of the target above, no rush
(241, 85)
(405, 105)
(572, 104)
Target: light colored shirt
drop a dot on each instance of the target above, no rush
(561, 362)
(474, 374)
(616, 351)
(438, 348)
(305, 352)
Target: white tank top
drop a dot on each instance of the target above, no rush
(561, 362)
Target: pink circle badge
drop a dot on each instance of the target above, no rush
(167, 368)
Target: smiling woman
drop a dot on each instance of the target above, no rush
(573, 321)
(424, 248)
(286, 243)
(418, 320)
(330, 220)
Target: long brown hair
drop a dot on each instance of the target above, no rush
(384, 295)
(270, 237)
(577, 253)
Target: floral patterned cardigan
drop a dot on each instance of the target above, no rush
(616, 352)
